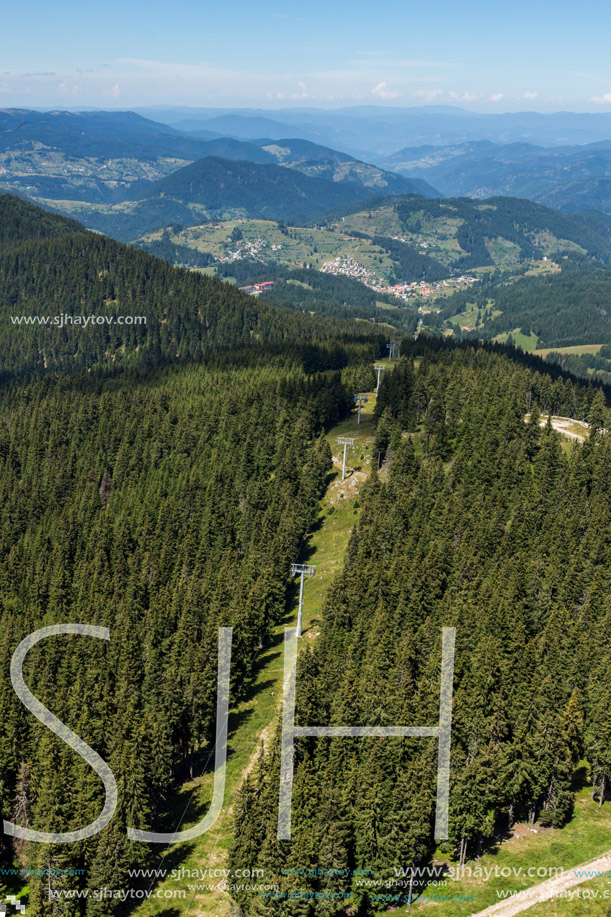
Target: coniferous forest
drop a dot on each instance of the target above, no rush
(162, 506)
(491, 528)
(159, 480)
(161, 498)
(305, 459)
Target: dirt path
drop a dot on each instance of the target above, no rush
(253, 722)
(574, 429)
(550, 888)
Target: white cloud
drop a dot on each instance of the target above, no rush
(383, 93)
(602, 100)
(428, 94)
(302, 94)
(530, 95)
(68, 88)
(131, 82)
(464, 96)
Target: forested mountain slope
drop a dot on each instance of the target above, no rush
(258, 189)
(140, 310)
(160, 501)
(467, 233)
(168, 495)
(567, 308)
(161, 505)
(481, 522)
(23, 222)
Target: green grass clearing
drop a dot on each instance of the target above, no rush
(527, 342)
(253, 721)
(577, 349)
(585, 837)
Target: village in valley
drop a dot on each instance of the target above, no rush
(350, 267)
(343, 265)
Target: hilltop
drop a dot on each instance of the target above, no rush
(21, 221)
(256, 189)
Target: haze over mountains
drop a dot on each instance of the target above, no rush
(369, 131)
(109, 157)
(214, 190)
(567, 178)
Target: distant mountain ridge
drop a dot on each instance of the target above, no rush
(95, 133)
(568, 178)
(369, 131)
(108, 158)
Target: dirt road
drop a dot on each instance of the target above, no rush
(551, 888)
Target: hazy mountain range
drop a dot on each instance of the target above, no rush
(120, 171)
(567, 178)
(370, 131)
(109, 156)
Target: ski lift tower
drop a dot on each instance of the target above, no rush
(360, 400)
(380, 368)
(301, 570)
(344, 441)
(393, 350)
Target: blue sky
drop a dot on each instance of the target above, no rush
(482, 56)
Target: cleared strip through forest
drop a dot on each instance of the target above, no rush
(253, 721)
